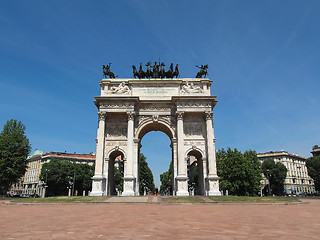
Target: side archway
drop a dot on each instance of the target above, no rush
(195, 171)
(115, 169)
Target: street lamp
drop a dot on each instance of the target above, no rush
(74, 180)
(45, 186)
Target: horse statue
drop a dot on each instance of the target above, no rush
(149, 72)
(141, 72)
(162, 72)
(169, 73)
(135, 72)
(176, 72)
(107, 72)
(203, 71)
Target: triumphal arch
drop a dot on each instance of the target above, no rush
(182, 108)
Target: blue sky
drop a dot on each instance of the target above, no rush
(263, 58)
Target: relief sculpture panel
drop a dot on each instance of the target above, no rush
(193, 130)
(117, 130)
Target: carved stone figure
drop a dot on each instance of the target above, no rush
(191, 88)
(121, 89)
(203, 71)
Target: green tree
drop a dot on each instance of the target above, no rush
(14, 150)
(60, 174)
(146, 176)
(239, 173)
(118, 180)
(313, 166)
(166, 180)
(277, 173)
(83, 173)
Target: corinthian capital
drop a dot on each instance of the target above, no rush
(130, 115)
(179, 115)
(102, 116)
(208, 115)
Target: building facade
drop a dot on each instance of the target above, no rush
(297, 181)
(31, 183)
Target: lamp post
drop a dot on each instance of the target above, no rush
(269, 190)
(74, 180)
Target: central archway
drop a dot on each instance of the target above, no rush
(148, 127)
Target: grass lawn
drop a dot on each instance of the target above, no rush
(198, 199)
(254, 199)
(55, 199)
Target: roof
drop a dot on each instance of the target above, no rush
(279, 153)
(90, 156)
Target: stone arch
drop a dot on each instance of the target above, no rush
(114, 149)
(199, 183)
(147, 126)
(151, 125)
(111, 163)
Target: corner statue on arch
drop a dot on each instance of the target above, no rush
(182, 108)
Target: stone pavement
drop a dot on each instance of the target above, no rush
(160, 221)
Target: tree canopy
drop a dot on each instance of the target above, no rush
(313, 166)
(14, 150)
(277, 173)
(60, 174)
(239, 173)
(166, 181)
(146, 176)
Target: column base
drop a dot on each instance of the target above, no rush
(96, 194)
(182, 185)
(214, 194)
(97, 186)
(128, 186)
(214, 186)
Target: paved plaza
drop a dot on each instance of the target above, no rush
(149, 219)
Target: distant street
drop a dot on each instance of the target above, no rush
(160, 221)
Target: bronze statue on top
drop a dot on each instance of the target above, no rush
(203, 71)
(157, 71)
(107, 72)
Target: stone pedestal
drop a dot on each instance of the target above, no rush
(182, 184)
(214, 186)
(97, 186)
(128, 186)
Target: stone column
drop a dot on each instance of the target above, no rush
(136, 165)
(213, 179)
(107, 177)
(174, 166)
(182, 178)
(128, 180)
(97, 179)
